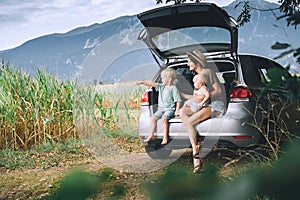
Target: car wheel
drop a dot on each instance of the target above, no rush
(157, 151)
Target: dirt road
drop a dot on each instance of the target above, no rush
(139, 162)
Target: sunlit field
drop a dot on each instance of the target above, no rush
(48, 125)
(40, 108)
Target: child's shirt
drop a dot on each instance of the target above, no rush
(167, 96)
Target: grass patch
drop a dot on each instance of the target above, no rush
(105, 183)
(126, 141)
(45, 155)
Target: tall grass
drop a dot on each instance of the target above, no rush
(34, 109)
(40, 108)
(107, 111)
(123, 99)
(275, 119)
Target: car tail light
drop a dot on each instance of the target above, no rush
(142, 137)
(240, 93)
(244, 137)
(145, 99)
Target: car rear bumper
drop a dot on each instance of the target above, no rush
(237, 132)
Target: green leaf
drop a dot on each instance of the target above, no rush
(284, 54)
(294, 19)
(280, 46)
(276, 76)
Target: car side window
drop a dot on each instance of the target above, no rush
(256, 68)
(264, 66)
(263, 75)
(249, 72)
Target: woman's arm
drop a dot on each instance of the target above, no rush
(206, 96)
(186, 96)
(216, 90)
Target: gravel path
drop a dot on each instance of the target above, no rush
(139, 162)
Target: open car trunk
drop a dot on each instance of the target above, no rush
(225, 71)
(171, 30)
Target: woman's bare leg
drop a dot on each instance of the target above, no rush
(189, 122)
(190, 126)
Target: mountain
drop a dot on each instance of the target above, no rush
(111, 52)
(65, 54)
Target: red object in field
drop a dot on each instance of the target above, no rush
(145, 99)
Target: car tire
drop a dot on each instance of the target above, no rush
(157, 151)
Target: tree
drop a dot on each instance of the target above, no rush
(290, 10)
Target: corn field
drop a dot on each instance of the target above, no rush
(40, 108)
(34, 109)
(113, 106)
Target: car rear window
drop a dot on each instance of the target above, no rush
(191, 36)
(225, 72)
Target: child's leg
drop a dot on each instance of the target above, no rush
(189, 107)
(153, 124)
(166, 130)
(187, 110)
(165, 120)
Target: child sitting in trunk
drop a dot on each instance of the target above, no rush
(168, 97)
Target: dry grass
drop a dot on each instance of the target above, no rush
(41, 108)
(34, 110)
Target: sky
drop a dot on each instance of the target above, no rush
(23, 20)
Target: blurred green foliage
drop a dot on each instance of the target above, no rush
(278, 180)
(81, 185)
(78, 185)
(280, 77)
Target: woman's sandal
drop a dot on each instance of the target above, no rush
(196, 155)
(197, 168)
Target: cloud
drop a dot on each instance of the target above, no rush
(12, 12)
(22, 20)
(20, 11)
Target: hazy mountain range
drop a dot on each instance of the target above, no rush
(110, 51)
